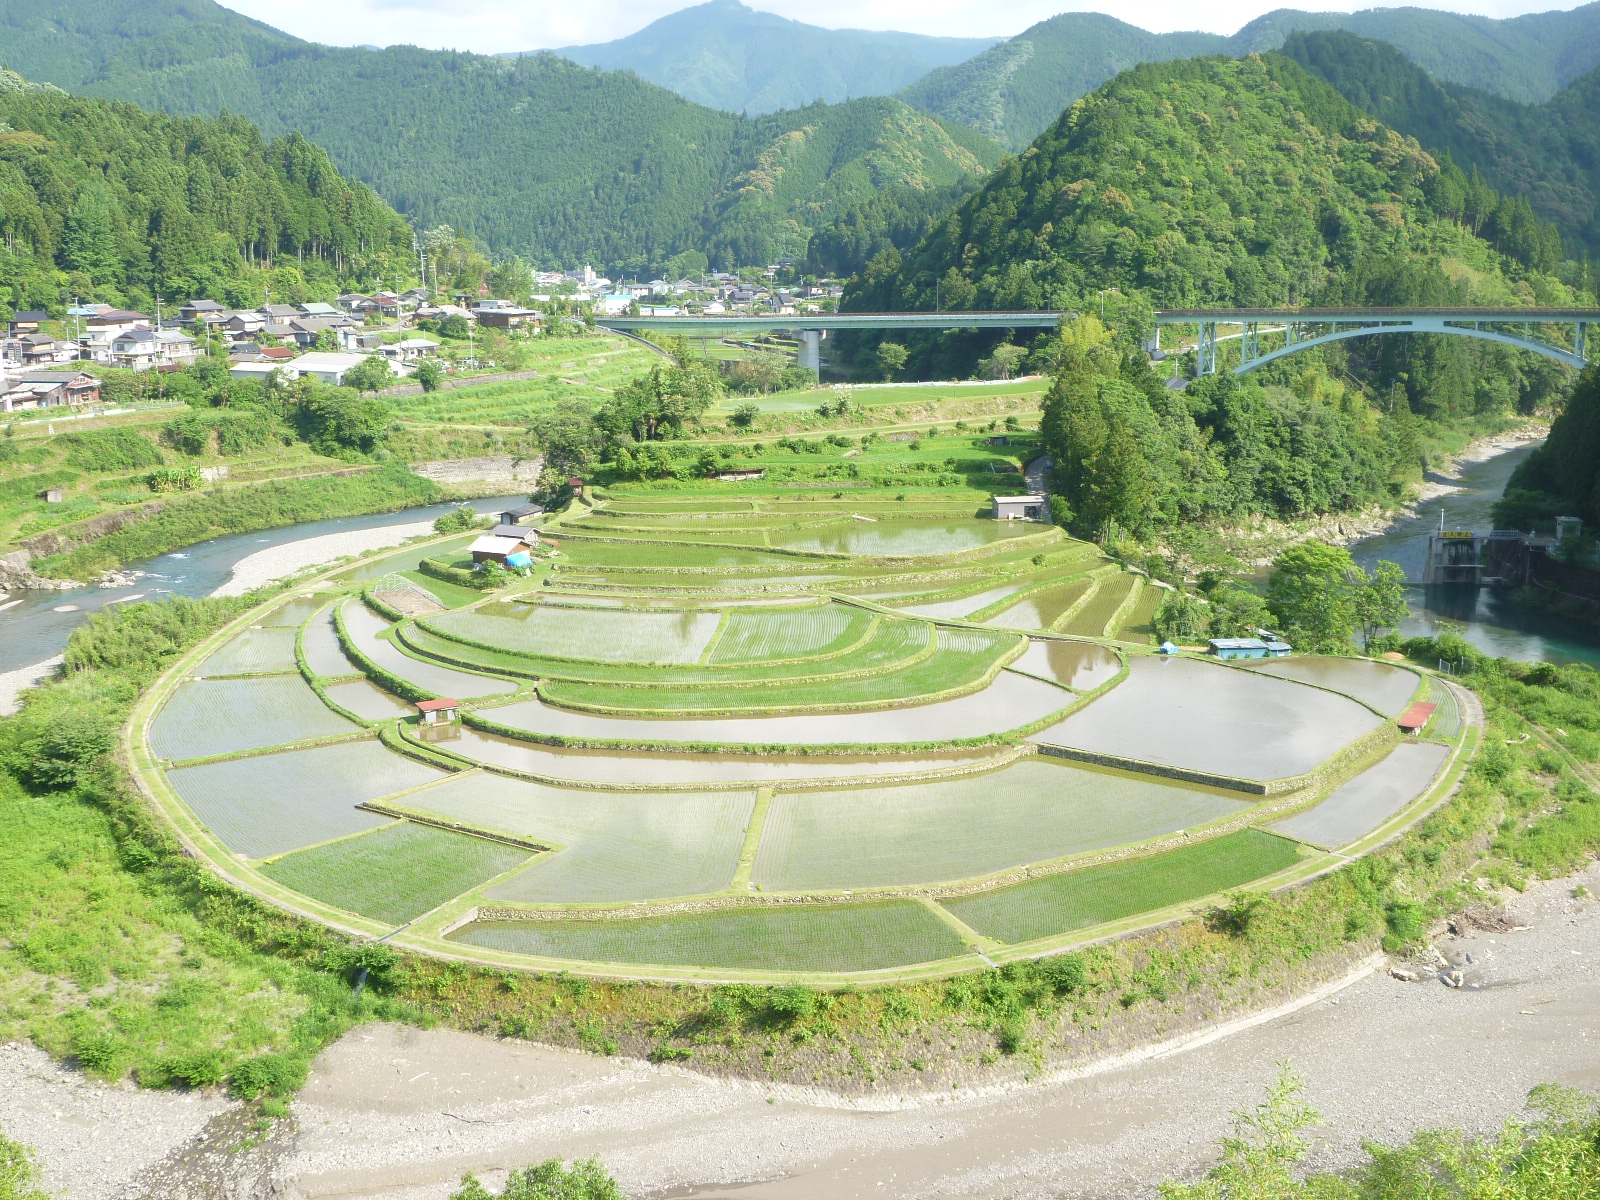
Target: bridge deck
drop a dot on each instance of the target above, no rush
(1177, 316)
(901, 320)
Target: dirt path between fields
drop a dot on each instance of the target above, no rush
(400, 1113)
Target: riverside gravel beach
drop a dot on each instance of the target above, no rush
(400, 1113)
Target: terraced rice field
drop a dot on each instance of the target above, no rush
(1008, 702)
(755, 635)
(1044, 608)
(1386, 688)
(395, 873)
(1358, 807)
(364, 626)
(1095, 895)
(972, 825)
(835, 937)
(960, 659)
(224, 716)
(903, 539)
(324, 655)
(1094, 618)
(274, 803)
(1081, 666)
(368, 701)
(632, 768)
(613, 846)
(1216, 719)
(686, 722)
(254, 652)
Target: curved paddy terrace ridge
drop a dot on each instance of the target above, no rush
(857, 739)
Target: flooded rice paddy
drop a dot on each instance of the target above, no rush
(1042, 609)
(907, 539)
(253, 652)
(610, 846)
(1196, 716)
(1010, 701)
(364, 626)
(1358, 807)
(324, 655)
(603, 634)
(274, 803)
(951, 829)
(368, 701)
(641, 767)
(950, 610)
(1388, 689)
(224, 716)
(1081, 666)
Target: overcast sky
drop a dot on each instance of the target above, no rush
(493, 26)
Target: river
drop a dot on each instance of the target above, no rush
(37, 625)
(1492, 621)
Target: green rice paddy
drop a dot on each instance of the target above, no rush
(970, 825)
(835, 937)
(728, 695)
(277, 802)
(223, 716)
(395, 873)
(613, 846)
(1095, 895)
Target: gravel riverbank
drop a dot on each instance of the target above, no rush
(400, 1113)
(279, 562)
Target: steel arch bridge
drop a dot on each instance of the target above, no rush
(1561, 332)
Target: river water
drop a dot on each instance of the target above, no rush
(1490, 620)
(37, 627)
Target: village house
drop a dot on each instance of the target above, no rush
(315, 308)
(327, 368)
(27, 322)
(280, 312)
(243, 325)
(208, 311)
(502, 314)
(54, 389)
(41, 350)
(410, 349)
(1018, 508)
(508, 549)
(518, 514)
(140, 349)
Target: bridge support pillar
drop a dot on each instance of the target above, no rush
(810, 356)
(1206, 350)
(1578, 338)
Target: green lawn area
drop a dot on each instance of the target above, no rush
(1078, 899)
(837, 937)
(870, 396)
(395, 873)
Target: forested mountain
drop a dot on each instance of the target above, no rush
(1013, 90)
(537, 155)
(111, 203)
(1234, 182)
(727, 56)
(1549, 153)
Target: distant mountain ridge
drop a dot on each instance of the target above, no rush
(727, 56)
(1015, 89)
(536, 156)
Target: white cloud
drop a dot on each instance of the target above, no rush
(494, 26)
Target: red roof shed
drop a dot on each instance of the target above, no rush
(1415, 718)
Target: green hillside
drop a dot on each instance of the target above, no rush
(535, 155)
(1549, 153)
(726, 56)
(1013, 90)
(1238, 182)
(118, 204)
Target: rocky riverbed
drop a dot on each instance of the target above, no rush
(1510, 1000)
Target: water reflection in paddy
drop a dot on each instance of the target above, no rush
(1081, 666)
(908, 538)
(1042, 609)
(1010, 701)
(1183, 713)
(1388, 689)
(951, 609)
(1371, 798)
(642, 767)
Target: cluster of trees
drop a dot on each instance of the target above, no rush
(1132, 457)
(1187, 183)
(629, 431)
(107, 202)
(1562, 477)
(1542, 154)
